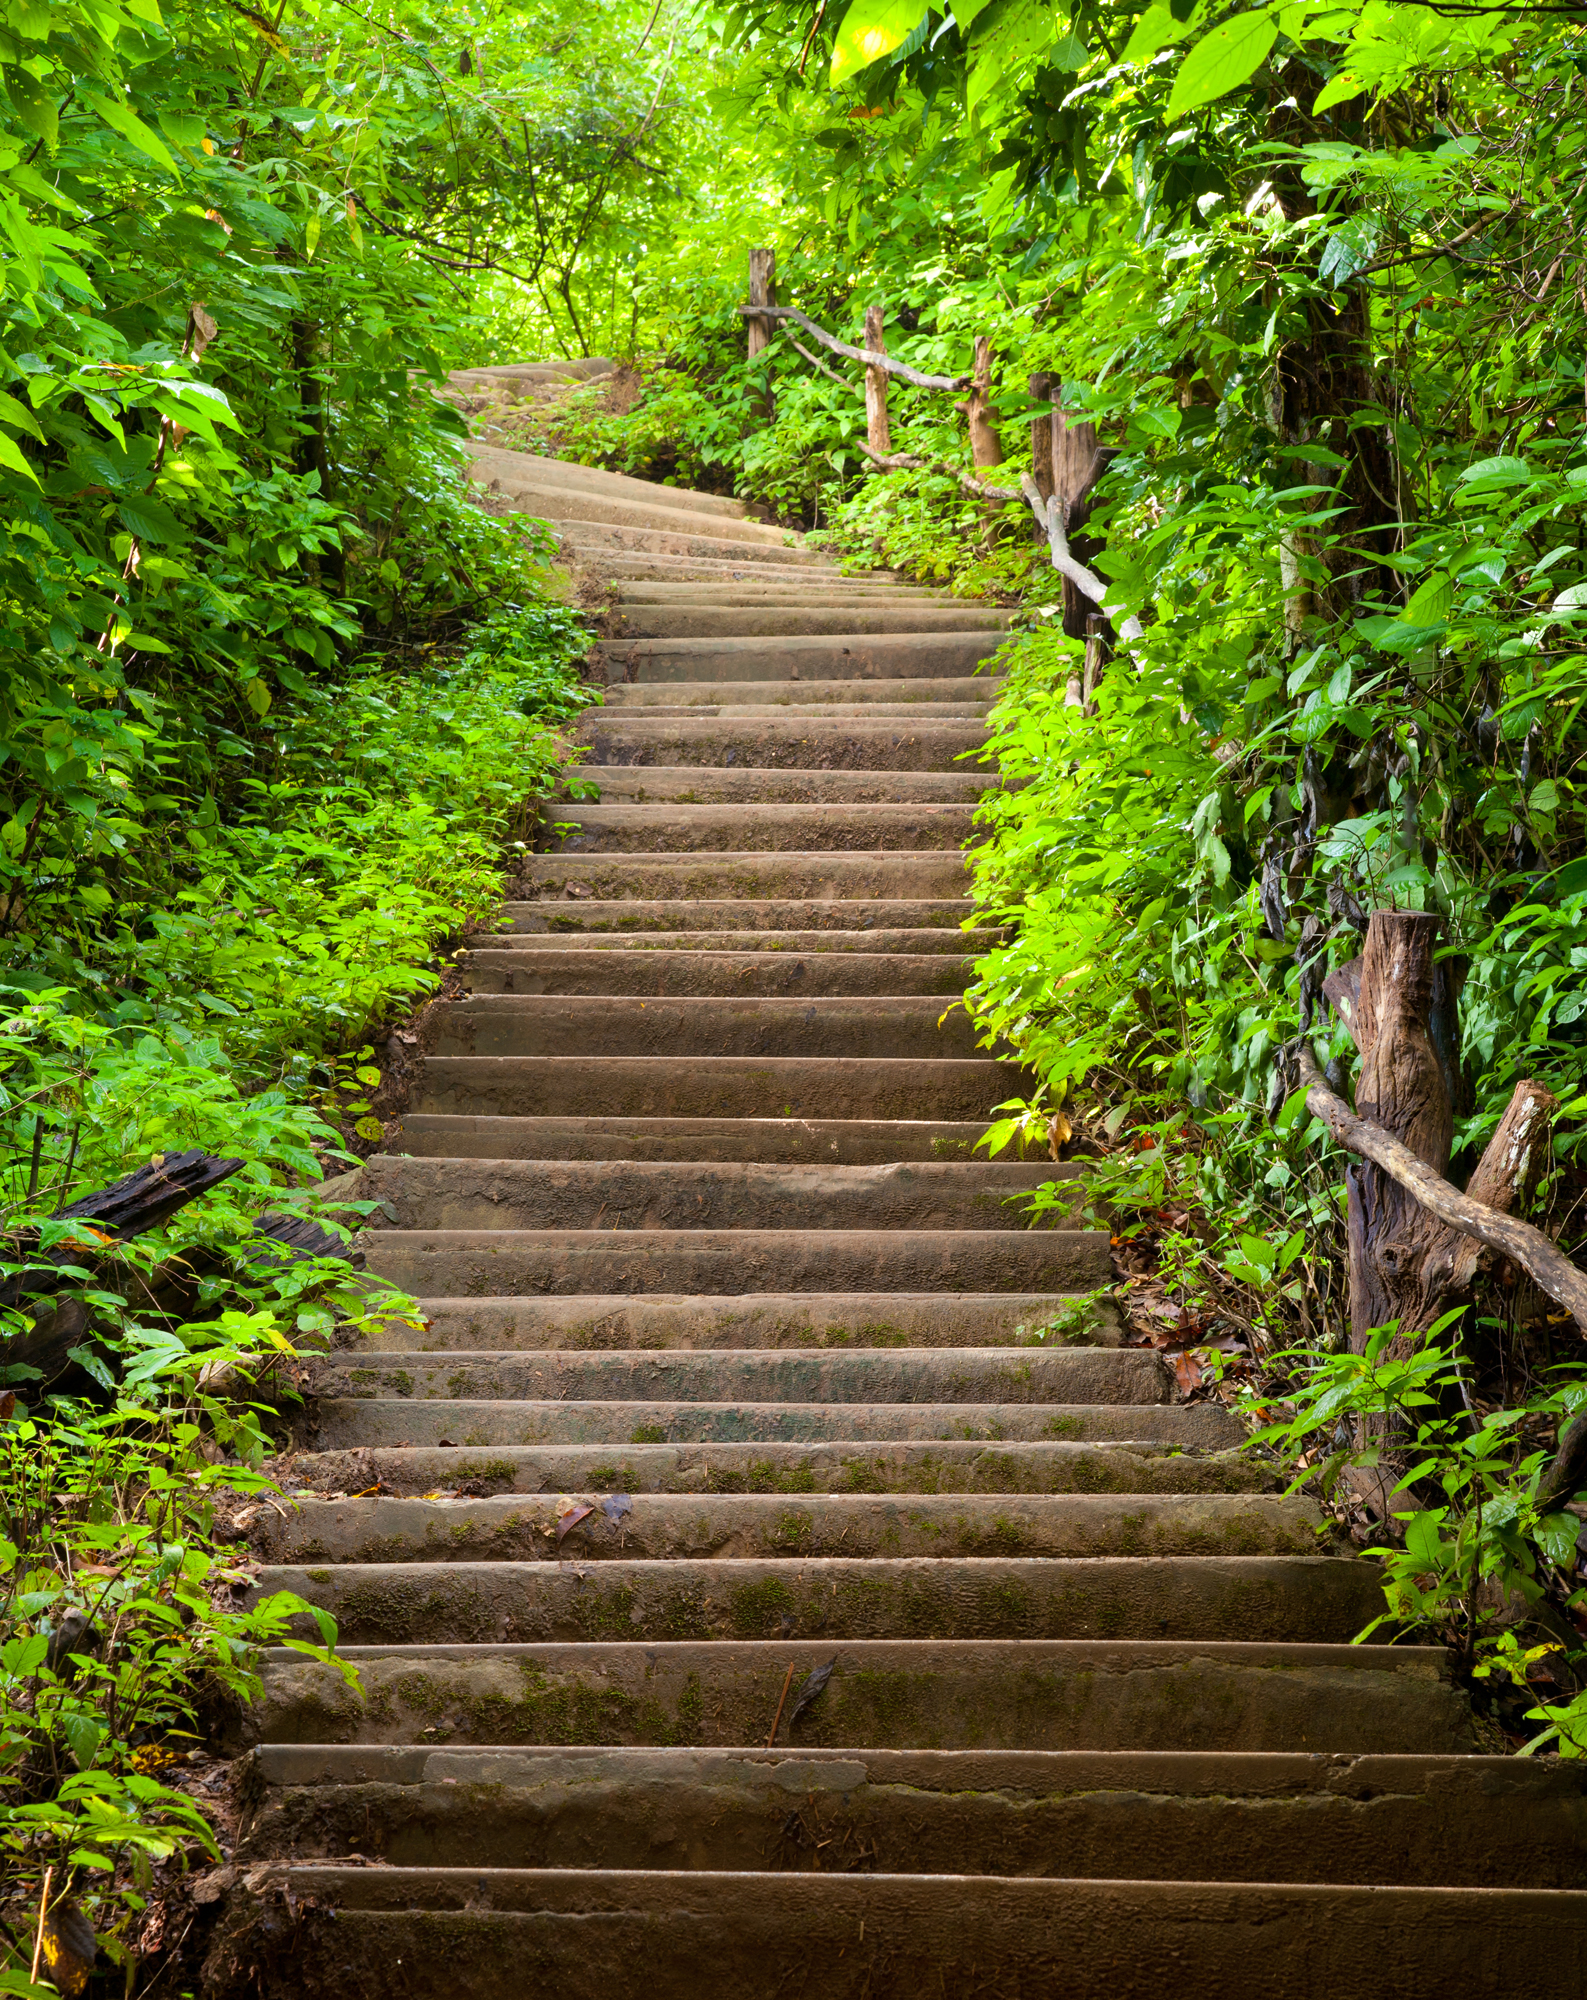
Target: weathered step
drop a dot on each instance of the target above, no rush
(1234, 1816)
(834, 590)
(618, 1935)
(514, 482)
(940, 697)
(706, 1194)
(597, 540)
(436, 1262)
(900, 943)
(1066, 1375)
(659, 829)
(1033, 1694)
(1293, 1599)
(811, 657)
(838, 1141)
(785, 974)
(770, 1320)
(554, 1024)
(614, 565)
(793, 1527)
(803, 742)
(785, 876)
(819, 1087)
(800, 620)
(759, 918)
(695, 784)
(943, 1466)
(349, 1422)
(535, 468)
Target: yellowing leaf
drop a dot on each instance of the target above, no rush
(871, 29)
(1221, 61)
(11, 456)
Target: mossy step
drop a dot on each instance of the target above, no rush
(463, 1261)
(655, 1527)
(889, 1026)
(549, 1193)
(802, 617)
(889, 655)
(694, 784)
(791, 741)
(1310, 1598)
(836, 1466)
(734, 875)
(1450, 1821)
(787, 974)
(756, 923)
(1032, 1694)
(838, 1141)
(780, 1320)
(618, 1935)
(1112, 1376)
(626, 827)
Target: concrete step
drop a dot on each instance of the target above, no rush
(1067, 1375)
(1295, 1599)
(681, 829)
(780, 875)
(802, 742)
(834, 590)
(706, 1194)
(349, 1423)
(618, 1935)
(699, 785)
(843, 1320)
(801, 1087)
(768, 974)
(448, 1262)
(1254, 1816)
(613, 566)
(535, 469)
(829, 943)
(513, 481)
(940, 696)
(813, 658)
(839, 1141)
(929, 1467)
(597, 541)
(1032, 1694)
(593, 1025)
(757, 923)
(771, 1527)
(679, 620)
(779, 1467)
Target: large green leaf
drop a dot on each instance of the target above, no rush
(1013, 35)
(123, 119)
(872, 29)
(1222, 60)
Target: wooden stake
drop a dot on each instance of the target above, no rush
(44, 1904)
(762, 292)
(782, 1703)
(877, 434)
(986, 447)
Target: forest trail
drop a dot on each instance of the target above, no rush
(727, 1385)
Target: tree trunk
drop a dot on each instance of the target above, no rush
(758, 332)
(877, 434)
(986, 447)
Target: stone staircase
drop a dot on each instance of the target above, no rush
(744, 1602)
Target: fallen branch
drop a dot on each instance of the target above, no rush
(1544, 1262)
(871, 359)
(903, 461)
(816, 362)
(1050, 518)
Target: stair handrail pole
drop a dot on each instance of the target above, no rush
(877, 433)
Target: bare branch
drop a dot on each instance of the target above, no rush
(1050, 518)
(899, 368)
(903, 461)
(1543, 1260)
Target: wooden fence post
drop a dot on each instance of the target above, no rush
(762, 292)
(1041, 391)
(877, 434)
(986, 447)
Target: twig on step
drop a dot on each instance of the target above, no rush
(781, 1705)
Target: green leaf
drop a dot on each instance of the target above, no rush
(871, 29)
(1431, 603)
(123, 119)
(35, 106)
(1545, 797)
(1009, 42)
(1154, 31)
(11, 455)
(1556, 1536)
(1339, 89)
(1500, 471)
(1221, 61)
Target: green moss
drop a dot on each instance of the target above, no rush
(755, 1610)
(792, 1531)
(318, 1575)
(1063, 1427)
(647, 1434)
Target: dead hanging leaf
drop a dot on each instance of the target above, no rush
(70, 1949)
(811, 1689)
(1188, 1372)
(569, 1515)
(617, 1507)
(201, 330)
(8, 1404)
